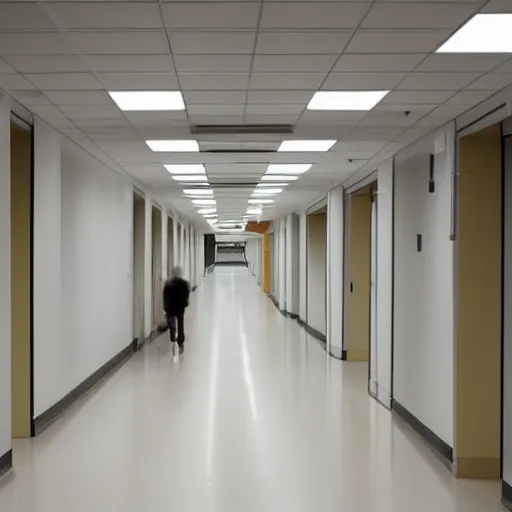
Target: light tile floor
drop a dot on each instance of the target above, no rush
(254, 417)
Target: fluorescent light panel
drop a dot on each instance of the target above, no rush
(263, 186)
(254, 211)
(484, 33)
(198, 191)
(267, 191)
(186, 169)
(261, 201)
(207, 211)
(277, 177)
(190, 178)
(148, 100)
(173, 146)
(288, 168)
(204, 202)
(346, 100)
(306, 145)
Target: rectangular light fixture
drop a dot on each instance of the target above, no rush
(277, 177)
(253, 211)
(211, 221)
(186, 169)
(306, 145)
(346, 100)
(173, 146)
(148, 100)
(190, 178)
(198, 191)
(210, 216)
(204, 202)
(483, 33)
(267, 191)
(261, 201)
(288, 168)
(207, 211)
(265, 185)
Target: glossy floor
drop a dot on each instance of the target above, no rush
(254, 417)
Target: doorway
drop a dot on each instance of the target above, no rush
(21, 278)
(170, 246)
(156, 268)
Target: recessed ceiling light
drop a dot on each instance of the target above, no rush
(177, 146)
(186, 169)
(265, 185)
(211, 221)
(267, 191)
(198, 191)
(253, 211)
(346, 100)
(276, 177)
(484, 33)
(306, 145)
(204, 202)
(189, 178)
(288, 168)
(207, 211)
(148, 100)
(210, 216)
(261, 201)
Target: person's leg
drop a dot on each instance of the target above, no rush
(171, 320)
(181, 330)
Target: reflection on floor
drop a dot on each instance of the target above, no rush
(252, 418)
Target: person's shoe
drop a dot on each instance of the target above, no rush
(181, 349)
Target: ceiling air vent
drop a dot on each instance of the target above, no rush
(240, 129)
(238, 151)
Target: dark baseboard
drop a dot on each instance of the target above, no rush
(194, 288)
(5, 463)
(230, 263)
(343, 355)
(506, 495)
(313, 332)
(442, 449)
(44, 420)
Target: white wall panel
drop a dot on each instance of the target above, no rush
(384, 313)
(303, 271)
(5, 276)
(423, 306)
(281, 269)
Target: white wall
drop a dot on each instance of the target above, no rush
(335, 258)
(384, 328)
(50, 349)
(292, 264)
(423, 307)
(5, 276)
(303, 271)
(281, 264)
(316, 256)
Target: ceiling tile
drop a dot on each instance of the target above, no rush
(469, 97)
(280, 97)
(437, 81)
(417, 15)
(396, 42)
(137, 118)
(110, 124)
(416, 97)
(79, 98)
(293, 63)
(15, 82)
(92, 112)
(47, 63)
(213, 81)
(47, 112)
(303, 43)
(492, 82)
(229, 15)
(271, 119)
(34, 43)
(207, 43)
(64, 81)
(415, 109)
(271, 109)
(334, 116)
(336, 15)
(362, 81)
(5, 68)
(290, 81)
(497, 6)
(378, 119)
(453, 63)
(30, 97)
(119, 43)
(449, 111)
(24, 16)
(379, 63)
(213, 63)
(214, 97)
(197, 120)
(131, 63)
(219, 110)
(85, 15)
(139, 81)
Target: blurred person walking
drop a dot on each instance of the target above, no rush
(176, 300)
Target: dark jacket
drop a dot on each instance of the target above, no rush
(176, 296)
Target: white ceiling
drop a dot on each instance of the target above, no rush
(243, 62)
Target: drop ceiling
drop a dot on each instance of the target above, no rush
(243, 62)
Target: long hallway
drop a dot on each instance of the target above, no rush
(253, 417)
